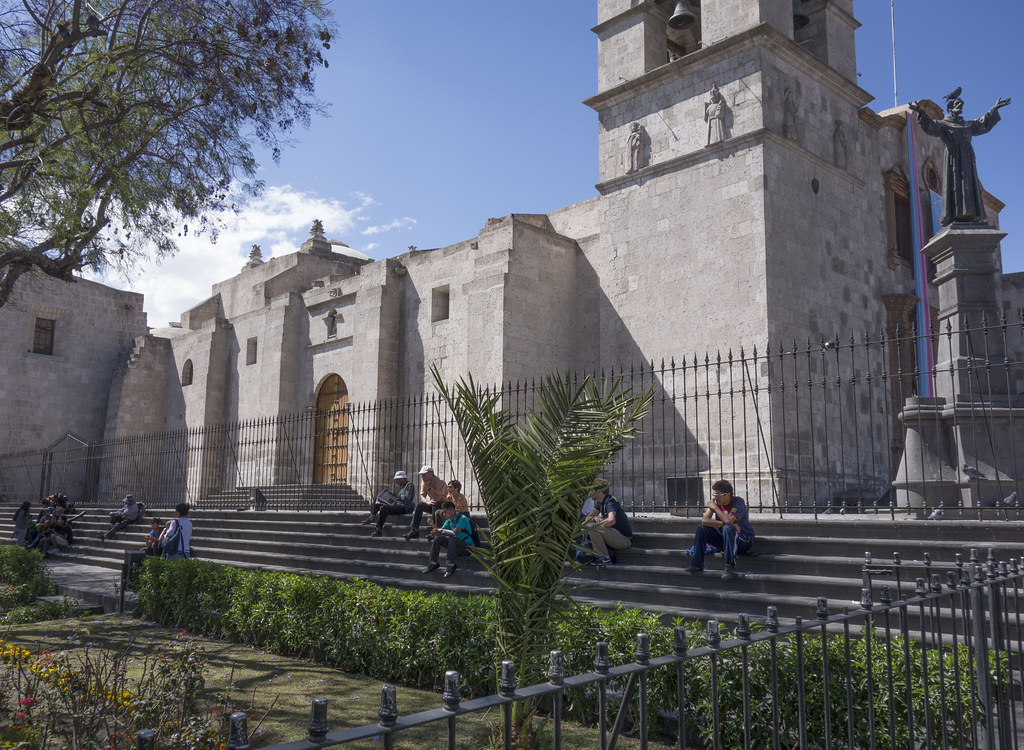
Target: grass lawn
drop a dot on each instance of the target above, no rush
(284, 687)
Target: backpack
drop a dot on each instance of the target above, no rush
(474, 530)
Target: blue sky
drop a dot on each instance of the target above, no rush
(448, 112)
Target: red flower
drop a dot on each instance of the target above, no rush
(26, 701)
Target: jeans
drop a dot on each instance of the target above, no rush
(728, 538)
(417, 515)
(455, 547)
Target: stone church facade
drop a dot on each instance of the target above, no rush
(746, 195)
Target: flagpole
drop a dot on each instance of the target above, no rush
(923, 309)
(892, 21)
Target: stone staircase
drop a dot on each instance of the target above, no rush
(301, 497)
(794, 560)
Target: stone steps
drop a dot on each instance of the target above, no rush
(794, 560)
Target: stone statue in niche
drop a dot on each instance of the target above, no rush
(962, 198)
(839, 146)
(714, 116)
(331, 321)
(635, 143)
(789, 116)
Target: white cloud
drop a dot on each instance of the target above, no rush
(279, 221)
(404, 223)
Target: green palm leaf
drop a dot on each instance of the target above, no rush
(532, 476)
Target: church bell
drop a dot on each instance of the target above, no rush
(800, 18)
(682, 17)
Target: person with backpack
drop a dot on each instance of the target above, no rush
(174, 542)
(456, 534)
(607, 523)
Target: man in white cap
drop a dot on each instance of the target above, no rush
(119, 519)
(388, 504)
(432, 491)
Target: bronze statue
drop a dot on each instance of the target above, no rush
(961, 191)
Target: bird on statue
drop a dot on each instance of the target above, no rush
(954, 93)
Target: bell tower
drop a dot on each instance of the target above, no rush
(721, 124)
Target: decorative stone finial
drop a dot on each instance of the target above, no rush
(317, 229)
(255, 257)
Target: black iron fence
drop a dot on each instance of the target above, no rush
(940, 668)
(836, 425)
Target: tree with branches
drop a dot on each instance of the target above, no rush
(127, 123)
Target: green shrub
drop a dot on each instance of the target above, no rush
(410, 637)
(41, 611)
(24, 569)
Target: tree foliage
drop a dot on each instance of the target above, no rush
(533, 475)
(122, 121)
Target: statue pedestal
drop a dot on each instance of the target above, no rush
(966, 270)
(962, 447)
(941, 438)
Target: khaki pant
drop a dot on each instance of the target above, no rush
(608, 536)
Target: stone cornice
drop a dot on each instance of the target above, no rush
(760, 36)
(719, 150)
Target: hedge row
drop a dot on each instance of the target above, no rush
(410, 637)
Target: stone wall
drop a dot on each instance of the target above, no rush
(46, 395)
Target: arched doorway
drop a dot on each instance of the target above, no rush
(330, 433)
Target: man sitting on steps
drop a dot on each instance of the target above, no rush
(433, 491)
(457, 536)
(122, 518)
(726, 524)
(607, 523)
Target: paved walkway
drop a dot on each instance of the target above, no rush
(89, 583)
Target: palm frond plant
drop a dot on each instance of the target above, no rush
(533, 474)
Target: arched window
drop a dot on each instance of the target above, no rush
(186, 373)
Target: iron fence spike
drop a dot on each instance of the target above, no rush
(642, 652)
(318, 720)
(601, 663)
(822, 610)
(238, 735)
(452, 696)
(679, 647)
(388, 713)
(919, 587)
(714, 637)
(743, 627)
(507, 682)
(556, 667)
(865, 598)
(885, 596)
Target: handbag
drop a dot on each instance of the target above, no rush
(170, 544)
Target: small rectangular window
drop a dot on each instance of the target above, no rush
(439, 304)
(42, 342)
(250, 351)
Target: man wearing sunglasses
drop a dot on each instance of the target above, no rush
(726, 524)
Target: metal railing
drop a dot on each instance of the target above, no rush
(817, 427)
(941, 668)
